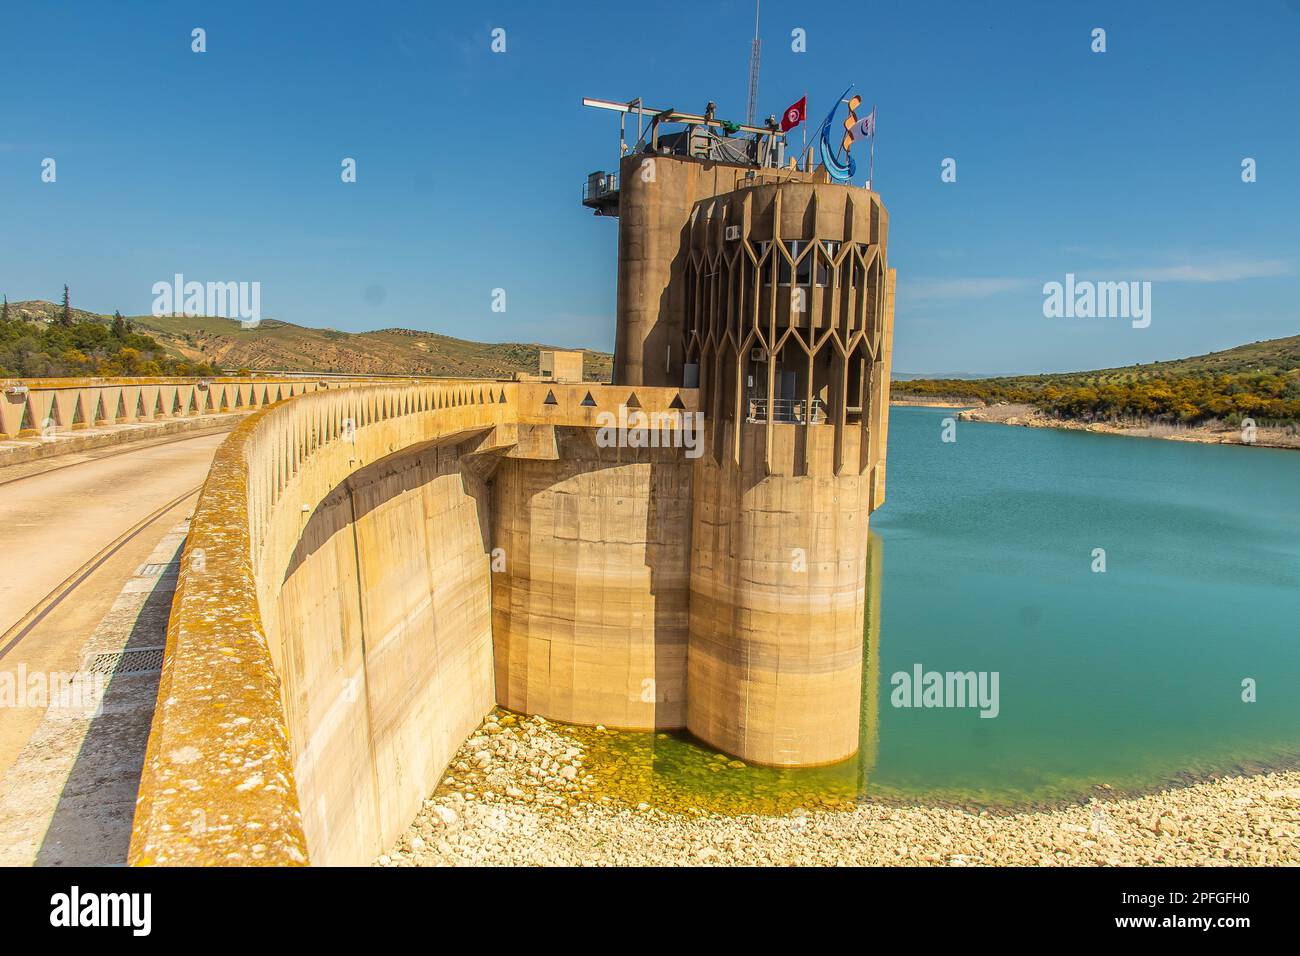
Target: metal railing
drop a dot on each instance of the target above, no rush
(787, 411)
(598, 187)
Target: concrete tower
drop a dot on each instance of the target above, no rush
(768, 288)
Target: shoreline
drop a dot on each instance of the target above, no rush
(928, 403)
(1026, 416)
(518, 793)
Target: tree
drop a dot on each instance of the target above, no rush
(119, 326)
(4, 310)
(65, 319)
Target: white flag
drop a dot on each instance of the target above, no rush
(864, 127)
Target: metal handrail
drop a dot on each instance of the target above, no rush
(787, 411)
(605, 186)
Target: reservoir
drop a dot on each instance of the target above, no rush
(987, 558)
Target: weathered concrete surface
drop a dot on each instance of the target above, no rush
(386, 643)
(591, 595)
(65, 445)
(330, 641)
(790, 320)
(778, 588)
(218, 753)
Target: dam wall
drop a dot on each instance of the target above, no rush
(592, 602)
(331, 641)
(384, 565)
(384, 643)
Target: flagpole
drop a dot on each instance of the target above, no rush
(871, 163)
(804, 154)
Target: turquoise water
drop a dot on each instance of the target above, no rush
(1128, 677)
(983, 561)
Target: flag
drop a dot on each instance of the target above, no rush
(794, 115)
(850, 122)
(864, 127)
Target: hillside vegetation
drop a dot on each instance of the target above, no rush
(1259, 381)
(282, 346)
(80, 344)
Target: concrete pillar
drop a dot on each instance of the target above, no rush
(778, 577)
(590, 588)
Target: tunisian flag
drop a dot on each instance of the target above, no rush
(794, 115)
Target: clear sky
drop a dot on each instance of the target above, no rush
(225, 165)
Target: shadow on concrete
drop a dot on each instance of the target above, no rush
(91, 825)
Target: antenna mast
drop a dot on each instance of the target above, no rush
(754, 52)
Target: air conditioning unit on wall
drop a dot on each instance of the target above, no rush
(733, 233)
(758, 355)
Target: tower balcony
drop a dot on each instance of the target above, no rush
(788, 411)
(600, 193)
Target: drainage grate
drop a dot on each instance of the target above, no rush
(155, 570)
(136, 660)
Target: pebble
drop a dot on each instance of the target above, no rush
(518, 797)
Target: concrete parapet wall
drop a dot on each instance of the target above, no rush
(330, 643)
(22, 451)
(253, 680)
(56, 406)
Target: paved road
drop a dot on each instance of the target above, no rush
(51, 524)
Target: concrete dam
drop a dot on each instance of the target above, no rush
(371, 569)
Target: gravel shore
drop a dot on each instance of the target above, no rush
(518, 794)
(1215, 434)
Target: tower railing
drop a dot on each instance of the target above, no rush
(787, 411)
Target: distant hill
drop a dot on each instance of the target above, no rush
(1260, 380)
(908, 376)
(282, 346)
(1271, 356)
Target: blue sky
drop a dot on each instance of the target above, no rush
(1123, 165)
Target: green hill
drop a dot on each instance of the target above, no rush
(1260, 380)
(283, 346)
(35, 342)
